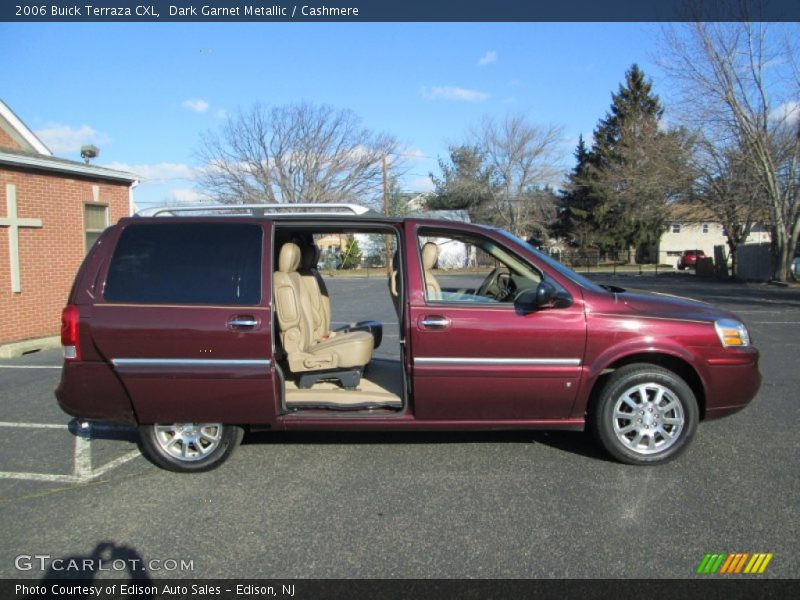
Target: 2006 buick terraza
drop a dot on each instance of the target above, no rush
(195, 324)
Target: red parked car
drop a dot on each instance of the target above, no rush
(195, 324)
(689, 259)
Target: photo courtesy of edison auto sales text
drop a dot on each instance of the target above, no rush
(133, 589)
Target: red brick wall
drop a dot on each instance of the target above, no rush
(49, 255)
(6, 141)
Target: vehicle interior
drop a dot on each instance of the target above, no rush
(330, 345)
(464, 268)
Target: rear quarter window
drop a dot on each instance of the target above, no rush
(187, 263)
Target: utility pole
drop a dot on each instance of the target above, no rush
(386, 241)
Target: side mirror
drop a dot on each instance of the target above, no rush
(545, 294)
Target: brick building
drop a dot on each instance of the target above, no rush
(51, 211)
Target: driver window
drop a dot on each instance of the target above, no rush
(472, 269)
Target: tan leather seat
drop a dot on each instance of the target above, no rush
(319, 303)
(430, 253)
(304, 352)
(314, 287)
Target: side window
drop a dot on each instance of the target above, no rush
(187, 263)
(472, 269)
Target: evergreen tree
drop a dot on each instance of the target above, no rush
(634, 168)
(465, 183)
(576, 204)
(351, 259)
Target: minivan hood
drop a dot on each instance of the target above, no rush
(666, 306)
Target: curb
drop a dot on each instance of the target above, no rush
(16, 349)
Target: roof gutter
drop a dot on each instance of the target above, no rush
(44, 164)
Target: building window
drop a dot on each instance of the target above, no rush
(705, 227)
(676, 228)
(95, 220)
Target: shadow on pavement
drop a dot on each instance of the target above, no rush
(574, 442)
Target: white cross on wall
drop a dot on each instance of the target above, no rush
(13, 222)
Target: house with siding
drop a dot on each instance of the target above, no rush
(692, 227)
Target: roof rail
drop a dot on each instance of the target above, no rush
(258, 210)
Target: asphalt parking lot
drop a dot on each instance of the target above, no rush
(488, 505)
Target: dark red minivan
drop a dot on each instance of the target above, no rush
(197, 323)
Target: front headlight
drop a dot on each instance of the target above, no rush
(732, 333)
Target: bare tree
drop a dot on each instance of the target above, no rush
(727, 186)
(740, 86)
(296, 153)
(522, 158)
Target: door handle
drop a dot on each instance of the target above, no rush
(435, 322)
(242, 322)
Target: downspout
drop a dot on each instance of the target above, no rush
(131, 203)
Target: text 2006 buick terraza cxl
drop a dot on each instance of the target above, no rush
(195, 324)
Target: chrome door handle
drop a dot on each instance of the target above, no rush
(435, 322)
(244, 322)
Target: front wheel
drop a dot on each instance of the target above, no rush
(645, 415)
(189, 447)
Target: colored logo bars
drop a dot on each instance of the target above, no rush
(734, 563)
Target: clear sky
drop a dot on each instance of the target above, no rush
(143, 93)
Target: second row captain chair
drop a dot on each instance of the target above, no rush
(320, 303)
(340, 358)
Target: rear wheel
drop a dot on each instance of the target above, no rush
(189, 447)
(645, 415)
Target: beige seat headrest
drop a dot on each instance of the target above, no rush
(289, 258)
(430, 252)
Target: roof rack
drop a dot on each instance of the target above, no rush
(259, 210)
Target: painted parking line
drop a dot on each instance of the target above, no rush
(33, 425)
(30, 367)
(82, 470)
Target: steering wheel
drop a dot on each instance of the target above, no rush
(498, 285)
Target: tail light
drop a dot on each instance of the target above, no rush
(69, 333)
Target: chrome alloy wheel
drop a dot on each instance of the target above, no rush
(188, 441)
(648, 418)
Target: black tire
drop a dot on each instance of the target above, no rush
(164, 451)
(668, 415)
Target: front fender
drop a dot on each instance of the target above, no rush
(626, 351)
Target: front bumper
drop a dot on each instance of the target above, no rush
(732, 381)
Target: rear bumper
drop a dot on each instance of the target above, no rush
(91, 390)
(732, 382)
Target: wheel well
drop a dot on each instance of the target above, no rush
(676, 365)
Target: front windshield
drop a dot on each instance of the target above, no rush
(552, 263)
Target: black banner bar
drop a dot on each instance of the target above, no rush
(709, 588)
(401, 10)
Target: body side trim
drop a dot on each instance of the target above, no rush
(190, 362)
(546, 362)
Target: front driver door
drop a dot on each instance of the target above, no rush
(475, 357)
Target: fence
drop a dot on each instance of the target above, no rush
(592, 261)
(644, 263)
